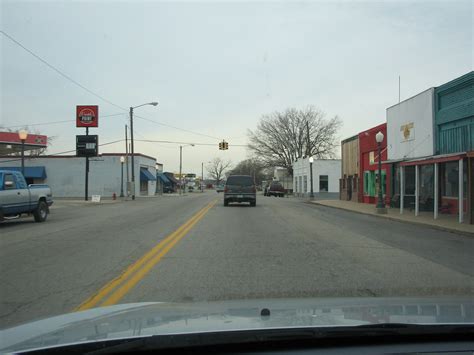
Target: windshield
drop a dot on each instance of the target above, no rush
(212, 153)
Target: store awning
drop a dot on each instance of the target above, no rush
(163, 178)
(434, 159)
(145, 175)
(31, 172)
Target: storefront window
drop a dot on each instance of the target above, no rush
(409, 180)
(426, 187)
(296, 184)
(305, 183)
(300, 183)
(451, 179)
(323, 183)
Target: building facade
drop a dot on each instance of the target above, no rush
(281, 175)
(349, 182)
(66, 174)
(326, 174)
(431, 155)
(368, 166)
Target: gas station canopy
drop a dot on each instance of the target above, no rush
(10, 142)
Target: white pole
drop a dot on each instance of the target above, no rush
(461, 186)
(417, 190)
(402, 187)
(436, 189)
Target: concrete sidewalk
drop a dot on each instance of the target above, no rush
(444, 222)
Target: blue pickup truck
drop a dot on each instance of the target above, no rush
(17, 198)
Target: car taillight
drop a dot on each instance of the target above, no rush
(226, 189)
(254, 189)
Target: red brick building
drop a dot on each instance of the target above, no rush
(368, 165)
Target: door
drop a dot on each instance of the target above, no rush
(349, 188)
(15, 197)
(471, 189)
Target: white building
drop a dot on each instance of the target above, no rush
(326, 175)
(410, 127)
(281, 175)
(66, 174)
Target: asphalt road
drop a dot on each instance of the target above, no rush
(192, 248)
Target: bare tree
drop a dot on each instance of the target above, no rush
(217, 168)
(253, 167)
(282, 137)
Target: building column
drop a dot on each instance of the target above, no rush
(417, 189)
(402, 187)
(436, 191)
(461, 187)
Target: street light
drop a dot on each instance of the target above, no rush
(380, 204)
(181, 164)
(23, 134)
(311, 160)
(154, 103)
(122, 160)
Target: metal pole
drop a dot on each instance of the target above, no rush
(311, 195)
(436, 189)
(380, 203)
(86, 192)
(126, 156)
(121, 180)
(23, 157)
(180, 165)
(133, 153)
(202, 177)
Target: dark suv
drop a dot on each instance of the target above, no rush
(240, 188)
(276, 189)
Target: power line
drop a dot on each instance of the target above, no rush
(181, 129)
(67, 77)
(60, 72)
(56, 122)
(60, 153)
(177, 142)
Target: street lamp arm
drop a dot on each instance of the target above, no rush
(148, 103)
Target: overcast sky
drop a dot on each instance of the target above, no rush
(215, 68)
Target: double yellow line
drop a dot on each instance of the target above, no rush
(113, 291)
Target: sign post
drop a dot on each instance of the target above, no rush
(87, 116)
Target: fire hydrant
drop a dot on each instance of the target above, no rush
(114, 196)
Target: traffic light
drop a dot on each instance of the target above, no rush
(223, 145)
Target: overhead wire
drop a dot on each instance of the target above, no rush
(67, 77)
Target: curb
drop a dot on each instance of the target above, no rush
(445, 229)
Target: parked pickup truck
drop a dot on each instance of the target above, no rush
(16, 197)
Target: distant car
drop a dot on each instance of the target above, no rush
(276, 189)
(240, 188)
(190, 188)
(220, 188)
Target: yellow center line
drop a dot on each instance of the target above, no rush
(165, 244)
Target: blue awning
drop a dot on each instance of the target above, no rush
(163, 178)
(145, 175)
(31, 172)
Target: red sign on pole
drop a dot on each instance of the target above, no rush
(87, 116)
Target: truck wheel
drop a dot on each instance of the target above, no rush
(226, 203)
(41, 212)
(253, 204)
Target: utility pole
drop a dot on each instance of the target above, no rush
(202, 177)
(308, 140)
(180, 166)
(133, 153)
(126, 158)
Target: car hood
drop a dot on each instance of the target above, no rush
(160, 318)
